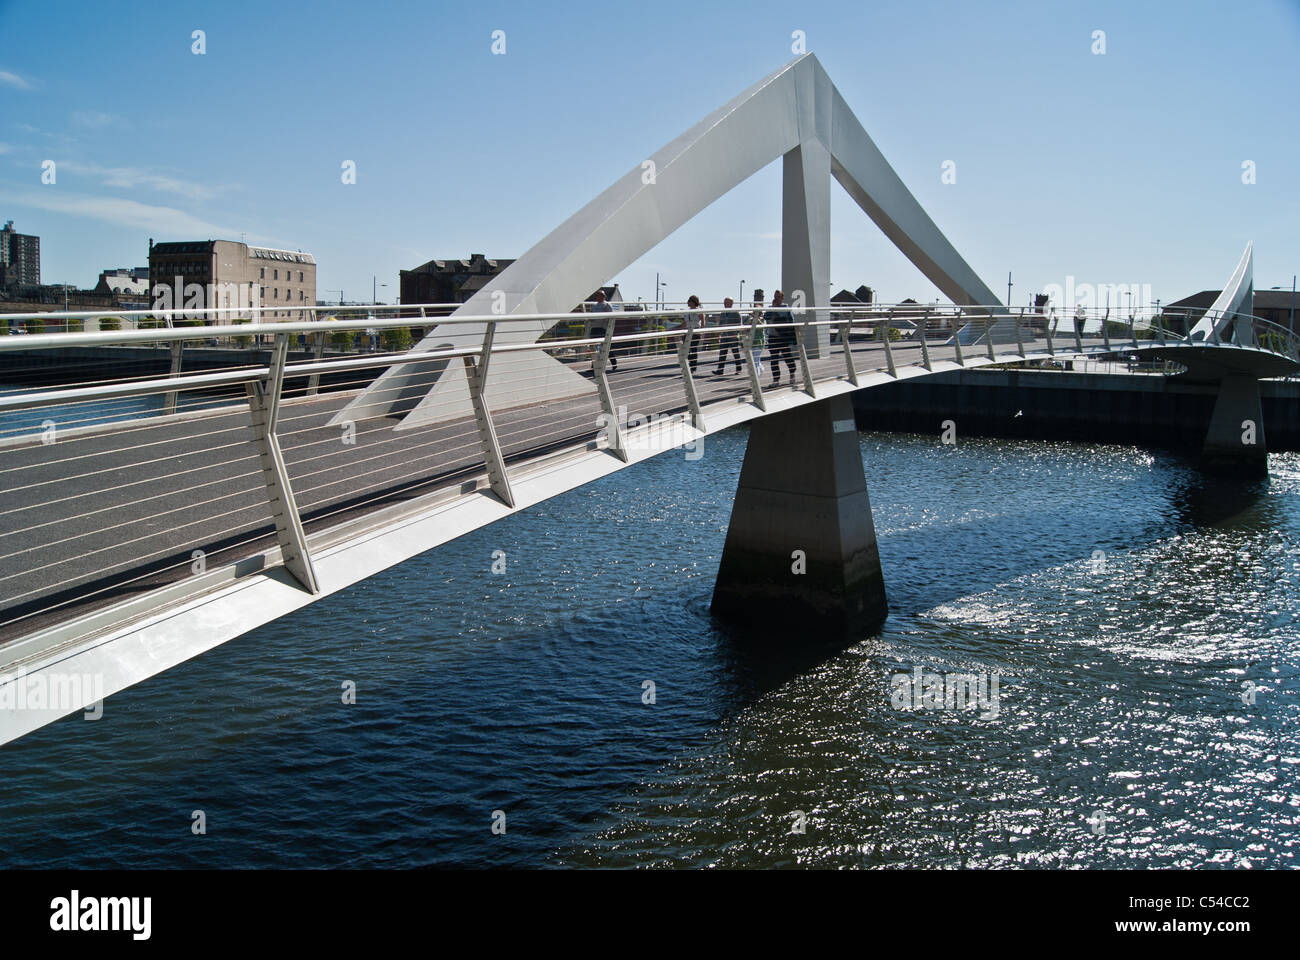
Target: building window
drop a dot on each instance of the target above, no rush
(275, 274)
(300, 296)
(300, 276)
(275, 293)
(263, 277)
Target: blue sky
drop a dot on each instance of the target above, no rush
(1117, 168)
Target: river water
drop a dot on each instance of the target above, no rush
(1138, 618)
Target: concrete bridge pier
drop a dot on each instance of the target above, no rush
(801, 547)
(1234, 441)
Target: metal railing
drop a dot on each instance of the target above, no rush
(132, 458)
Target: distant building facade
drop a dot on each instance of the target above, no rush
(449, 281)
(20, 258)
(128, 280)
(227, 273)
(1276, 306)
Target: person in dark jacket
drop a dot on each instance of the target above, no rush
(728, 341)
(780, 337)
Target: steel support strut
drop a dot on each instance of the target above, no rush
(264, 406)
(169, 402)
(850, 370)
(688, 380)
(802, 348)
(754, 385)
(476, 372)
(615, 427)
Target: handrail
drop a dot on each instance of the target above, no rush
(197, 380)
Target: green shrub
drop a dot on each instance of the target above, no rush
(397, 339)
(341, 339)
(75, 326)
(110, 323)
(242, 339)
(35, 325)
(1272, 340)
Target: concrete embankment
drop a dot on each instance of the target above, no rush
(1143, 409)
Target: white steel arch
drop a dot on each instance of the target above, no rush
(1236, 299)
(794, 114)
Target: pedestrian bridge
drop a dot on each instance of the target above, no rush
(169, 487)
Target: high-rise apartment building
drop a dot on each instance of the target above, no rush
(20, 258)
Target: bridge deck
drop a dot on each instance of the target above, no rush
(116, 513)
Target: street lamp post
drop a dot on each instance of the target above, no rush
(1292, 324)
(374, 291)
(742, 292)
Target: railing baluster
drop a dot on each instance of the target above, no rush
(169, 402)
(849, 368)
(989, 321)
(754, 385)
(264, 406)
(803, 359)
(318, 352)
(956, 339)
(1020, 340)
(616, 445)
(889, 350)
(688, 381)
(476, 373)
(925, 346)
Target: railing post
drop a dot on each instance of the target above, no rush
(318, 352)
(688, 381)
(803, 359)
(169, 402)
(1132, 330)
(1105, 329)
(476, 373)
(925, 346)
(1020, 340)
(1047, 332)
(754, 384)
(264, 406)
(849, 368)
(616, 445)
(956, 339)
(889, 350)
(989, 321)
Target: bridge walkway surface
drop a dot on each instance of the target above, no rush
(119, 511)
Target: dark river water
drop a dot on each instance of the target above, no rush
(1129, 609)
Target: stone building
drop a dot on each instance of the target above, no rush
(449, 281)
(227, 273)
